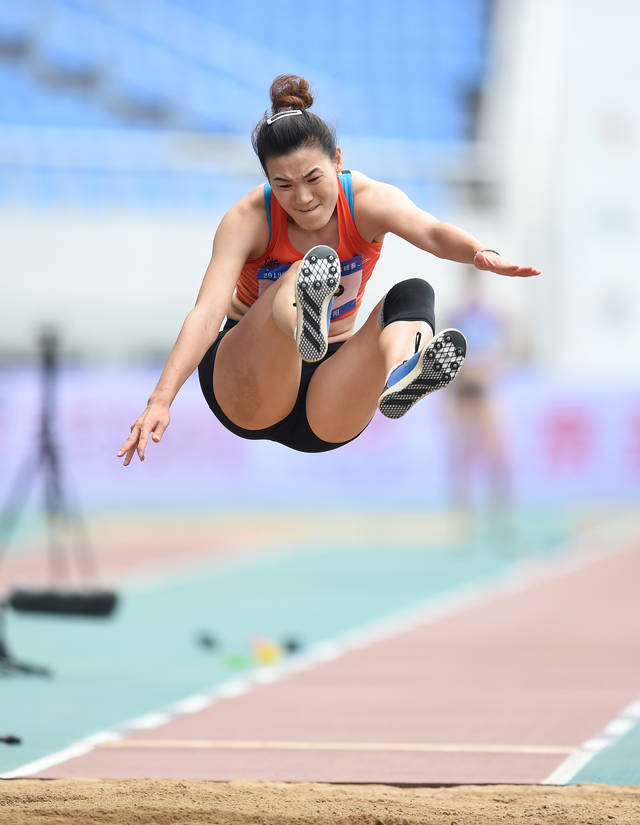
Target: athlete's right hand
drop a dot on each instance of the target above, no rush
(153, 422)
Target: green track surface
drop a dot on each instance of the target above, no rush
(619, 764)
(146, 656)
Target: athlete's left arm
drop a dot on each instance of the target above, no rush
(391, 210)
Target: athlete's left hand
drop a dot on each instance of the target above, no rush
(493, 262)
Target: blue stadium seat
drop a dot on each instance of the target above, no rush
(72, 43)
(406, 68)
(17, 21)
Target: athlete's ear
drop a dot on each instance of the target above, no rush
(338, 159)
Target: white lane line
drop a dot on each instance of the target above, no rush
(150, 721)
(79, 748)
(609, 735)
(192, 704)
(520, 576)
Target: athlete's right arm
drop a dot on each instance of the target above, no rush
(236, 240)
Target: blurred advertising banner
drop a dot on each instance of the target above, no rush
(562, 441)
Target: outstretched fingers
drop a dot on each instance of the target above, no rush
(159, 432)
(145, 432)
(493, 262)
(151, 424)
(129, 446)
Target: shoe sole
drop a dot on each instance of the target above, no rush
(437, 366)
(315, 287)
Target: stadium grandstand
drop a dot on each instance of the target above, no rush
(150, 105)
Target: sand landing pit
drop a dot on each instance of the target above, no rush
(173, 802)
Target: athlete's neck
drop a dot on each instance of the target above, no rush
(303, 240)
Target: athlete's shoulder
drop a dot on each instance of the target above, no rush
(362, 183)
(366, 188)
(375, 197)
(247, 219)
(250, 206)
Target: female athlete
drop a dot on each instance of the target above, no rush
(287, 365)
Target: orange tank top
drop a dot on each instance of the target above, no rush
(358, 257)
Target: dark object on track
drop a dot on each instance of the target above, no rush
(67, 602)
(207, 641)
(291, 645)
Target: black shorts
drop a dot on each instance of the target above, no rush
(294, 430)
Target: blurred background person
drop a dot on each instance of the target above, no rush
(477, 439)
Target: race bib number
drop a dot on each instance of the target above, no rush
(346, 294)
(266, 277)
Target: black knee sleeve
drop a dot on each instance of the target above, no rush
(410, 300)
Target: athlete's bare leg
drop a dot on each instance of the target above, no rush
(343, 392)
(257, 368)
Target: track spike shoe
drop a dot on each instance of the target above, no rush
(431, 368)
(317, 280)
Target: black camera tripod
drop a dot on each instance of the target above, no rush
(59, 514)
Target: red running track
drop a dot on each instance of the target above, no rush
(510, 686)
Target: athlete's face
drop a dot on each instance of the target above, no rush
(305, 184)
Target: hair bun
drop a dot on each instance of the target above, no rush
(288, 91)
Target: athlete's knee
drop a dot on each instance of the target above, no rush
(284, 286)
(290, 273)
(409, 300)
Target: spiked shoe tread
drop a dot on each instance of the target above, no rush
(436, 367)
(317, 280)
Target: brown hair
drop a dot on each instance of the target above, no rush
(288, 91)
